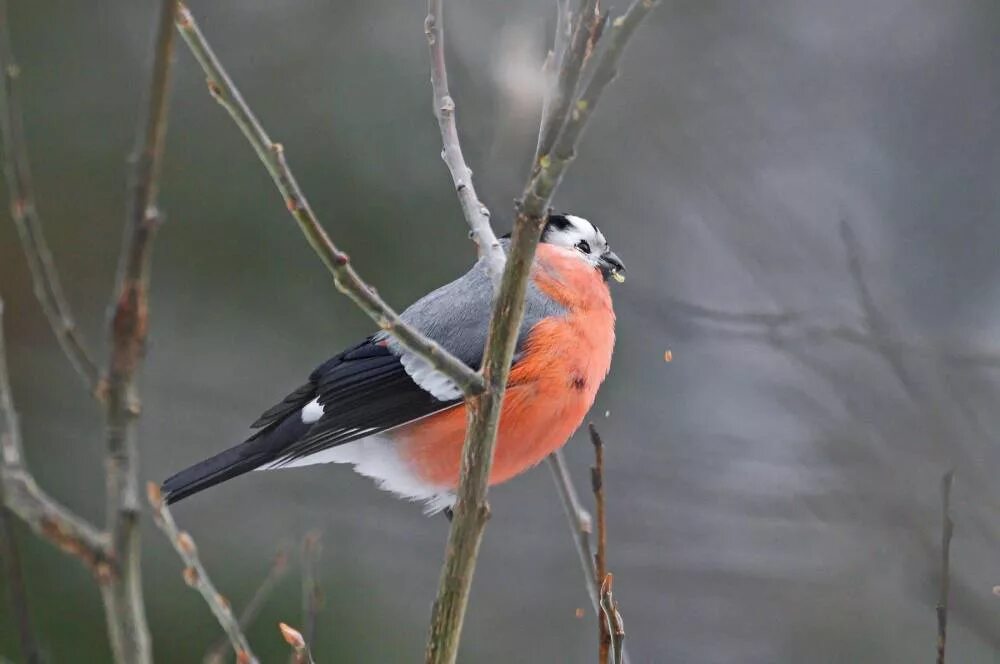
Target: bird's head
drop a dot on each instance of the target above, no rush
(582, 236)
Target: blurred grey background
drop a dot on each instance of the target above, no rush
(773, 491)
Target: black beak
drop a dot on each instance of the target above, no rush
(612, 266)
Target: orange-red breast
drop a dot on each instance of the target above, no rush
(397, 420)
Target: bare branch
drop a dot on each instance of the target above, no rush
(279, 567)
(947, 527)
(601, 558)
(300, 648)
(471, 510)
(613, 619)
(126, 615)
(337, 262)
(476, 214)
(22, 495)
(196, 576)
(580, 523)
(562, 94)
(553, 64)
(44, 276)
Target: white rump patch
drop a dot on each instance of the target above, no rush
(379, 458)
(312, 411)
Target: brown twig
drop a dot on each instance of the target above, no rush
(44, 276)
(561, 95)
(279, 567)
(196, 576)
(471, 510)
(947, 527)
(612, 619)
(312, 594)
(581, 525)
(300, 647)
(476, 214)
(123, 601)
(337, 262)
(601, 557)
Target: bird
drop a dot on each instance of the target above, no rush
(399, 421)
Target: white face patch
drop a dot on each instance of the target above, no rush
(577, 233)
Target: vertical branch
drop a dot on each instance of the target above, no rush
(947, 526)
(123, 596)
(476, 214)
(44, 276)
(612, 621)
(471, 509)
(601, 558)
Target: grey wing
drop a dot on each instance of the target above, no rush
(457, 316)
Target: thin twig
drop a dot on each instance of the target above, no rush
(601, 557)
(581, 525)
(300, 647)
(562, 94)
(45, 278)
(553, 64)
(612, 619)
(476, 214)
(337, 262)
(312, 594)
(947, 527)
(196, 576)
(471, 509)
(126, 615)
(22, 495)
(279, 567)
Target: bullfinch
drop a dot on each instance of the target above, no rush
(395, 419)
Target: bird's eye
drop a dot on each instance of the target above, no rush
(583, 246)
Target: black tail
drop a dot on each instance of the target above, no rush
(262, 448)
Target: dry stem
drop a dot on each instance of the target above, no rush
(196, 576)
(601, 558)
(476, 214)
(947, 527)
(44, 276)
(471, 510)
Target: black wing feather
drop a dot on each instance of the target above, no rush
(364, 390)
